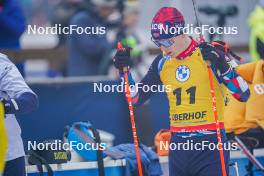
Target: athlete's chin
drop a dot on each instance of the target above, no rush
(171, 54)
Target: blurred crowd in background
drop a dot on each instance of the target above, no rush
(90, 55)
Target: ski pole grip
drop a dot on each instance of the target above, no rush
(120, 47)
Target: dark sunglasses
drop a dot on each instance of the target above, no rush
(165, 42)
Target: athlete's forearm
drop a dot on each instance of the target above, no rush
(133, 90)
(150, 80)
(139, 94)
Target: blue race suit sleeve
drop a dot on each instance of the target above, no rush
(151, 78)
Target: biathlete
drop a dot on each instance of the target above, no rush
(183, 67)
(17, 98)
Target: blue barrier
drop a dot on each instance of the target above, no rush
(62, 104)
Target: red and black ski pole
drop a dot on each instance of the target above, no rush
(131, 112)
(212, 90)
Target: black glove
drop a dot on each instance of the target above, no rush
(122, 58)
(224, 47)
(215, 56)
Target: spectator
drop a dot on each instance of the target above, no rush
(61, 14)
(86, 50)
(256, 25)
(12, 24)
(130, 37)
(127, 34)
(18, 98)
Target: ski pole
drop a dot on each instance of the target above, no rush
(250, 156)
(210, 74)
(219, 137)
(131, 112)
